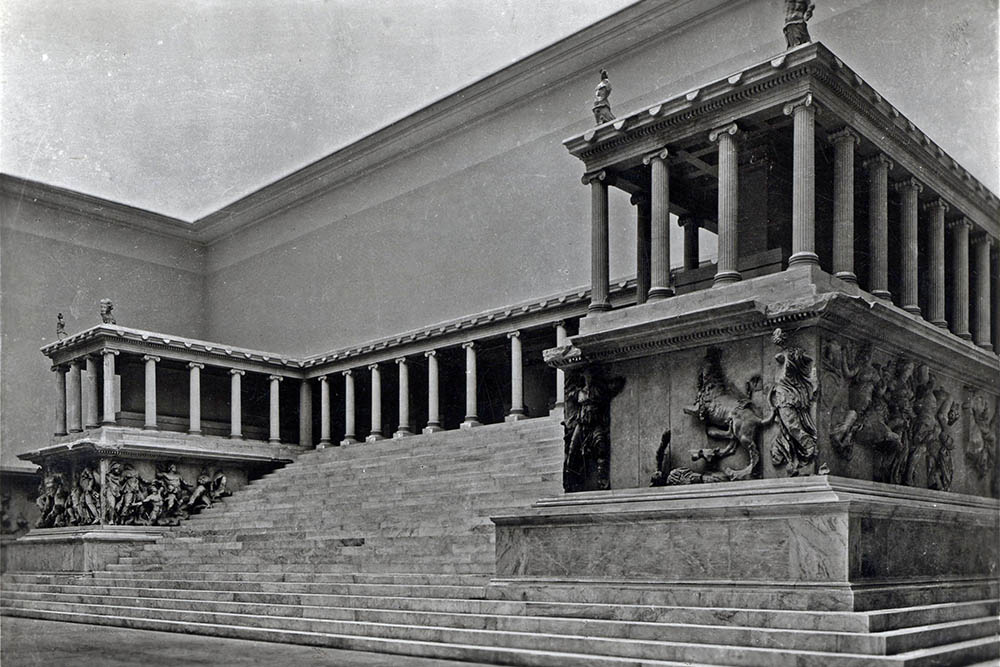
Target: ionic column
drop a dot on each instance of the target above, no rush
(236, 403)
(274, 415)
(995, 254)
(981, 243)
(433, 409)
(960, 277)
(194, 398)
(727, 271)
(349, 409)
(108, 396)
(74, 407)
(878, 168)
(376, 430)
(150, 394)
(803, 113)
(60, 404)
(471, 402)
(91, 417)
(560, 374)
(516, 379)
(642, 246)
(844, 143)
(909, 191)
(305, 414)
(404, 399)
(659, 262)
(935, 266)
(691, 227)
(599, 251)
(324, 412)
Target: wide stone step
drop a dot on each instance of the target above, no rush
(785, 653)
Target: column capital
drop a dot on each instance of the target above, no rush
(323, 378)
(195, 364)
(730, 129)
(106, 351)
(639, 199)
(74, 362)
(662, 155)
(151, 357)
(687, 219)
(936, 204)
(59, 368)
(237, 371)
(348, 373)
(275, 378)
(430, 353)
(959, 223)
(400, 360)
(559, 323)
(907, 184)
(372, 367)
(844, 134)
(981, 236)
(469, 345)
(804, 101)
(513, 334)
(877, 161)
(591, 176)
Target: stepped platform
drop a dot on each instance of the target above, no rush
(389, 547)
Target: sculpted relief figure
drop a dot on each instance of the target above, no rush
(85, 498)
(791, 400)
(981, 453)
(587, 429)
(602, 107)
(797, 13)
(52, 501)
(106, 312)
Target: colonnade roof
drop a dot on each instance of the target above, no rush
(754, 96)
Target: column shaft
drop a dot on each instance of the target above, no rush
(404, 400)
(909, 191)
(936, 262)
(305, 414)
(642, 247)
(59, 409)
(691, 252)
(727, 270)
(150, 395)
(274, 414)
(74, 398)
(236, 403)
(878, 225)
(599, 251)
(659, 262)
(324, 412)
(844, 142)
(981, 249)
(194, 398)
(803, 182)
(349, 409)
(91, 416)
(516, 378)
(560, 374)
(108, 394)
(471, 401)
(960, 278)
(433, 414)
(376, 426)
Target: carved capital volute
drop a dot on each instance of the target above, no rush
(237, 371)
(195, 364)
(275, 378)
(559, 323)
(662, 155)
(114, 353)
(150, 357)
(639, 199)
(803, 102)
(74, 363)
(935, 205)
(981, 236)
(59, 368)
(845, 135)
(907, 184)
(685, 220)
(878, 161)
(718, 132)
(600, 175)
(400, 361)
(373, 367)
(348, 373)
(471, 345)
(960, 223)
(323, 379)
(430, 353)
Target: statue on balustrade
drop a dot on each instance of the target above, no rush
(602, 106)
(791, 399)
(60, 327)
(106, 312)
(587, 429)
(797, 13)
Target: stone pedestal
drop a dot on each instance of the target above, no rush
(76, 549)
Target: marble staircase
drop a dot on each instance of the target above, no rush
(388, 547)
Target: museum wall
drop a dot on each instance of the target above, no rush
(495, 213)
(56, 261)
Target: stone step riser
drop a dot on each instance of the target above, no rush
(628, 648)
(105, 586)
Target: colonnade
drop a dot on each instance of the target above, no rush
(653, 245)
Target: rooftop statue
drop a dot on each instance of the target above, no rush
(60, 327)
(797, 12)
(106, 308)
(602, 107)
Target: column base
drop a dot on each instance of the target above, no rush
(196, 431)
(847, 277)
(470, 422)
(912, 310)
(109, 422)
(943, 324)
(90, 426)
(882, 294)
(660, 293)
(274, 441)
(150, 427)
(964, 335)
(985, 346)
(401, 433)
(726, 278)
(598, 307)
(433, 427)
(350, 440)
(60, 433)
(804, 257)
(323, 443)
(374, 437)
(515, 417)
(235, 436)
(80, 430)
